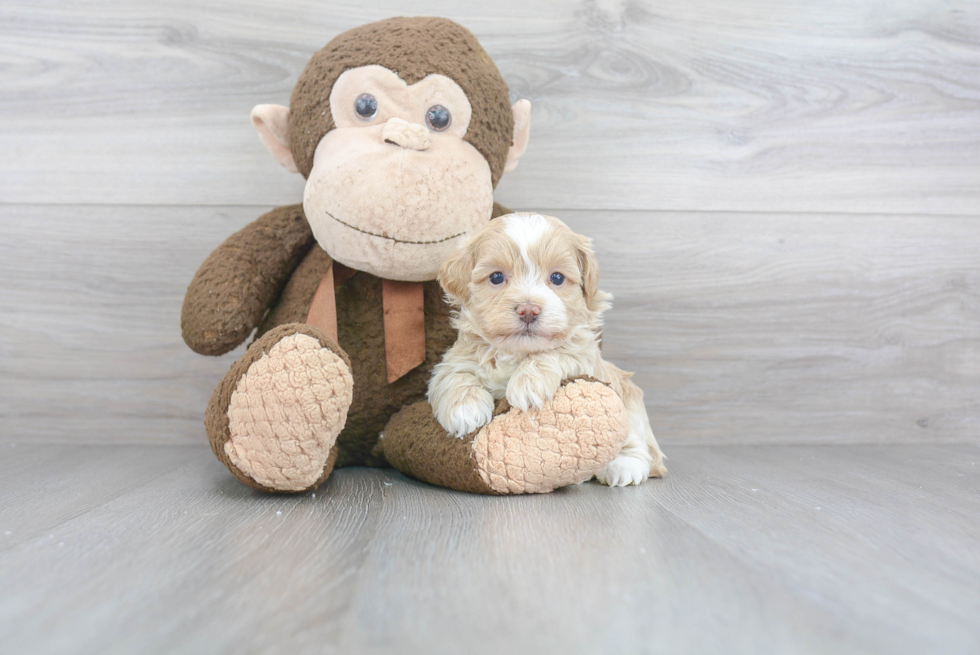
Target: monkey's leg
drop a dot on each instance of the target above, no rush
(275, 417)
(567, 441)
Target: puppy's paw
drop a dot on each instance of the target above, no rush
(468, 410)
(529, 391)
(623, 471)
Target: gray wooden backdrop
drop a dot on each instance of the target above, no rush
(785, 199)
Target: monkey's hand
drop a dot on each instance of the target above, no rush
(237, 283)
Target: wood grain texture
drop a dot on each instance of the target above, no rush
(753, 106)
(191, 560)
(759, 328)
(90, 343)
(44, 486)
(741, 549)
(769, 328)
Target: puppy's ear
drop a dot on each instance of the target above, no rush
(595, 300)
(456, 272)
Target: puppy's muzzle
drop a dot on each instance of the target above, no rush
(528, 312)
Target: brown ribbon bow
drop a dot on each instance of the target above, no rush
(404, 319)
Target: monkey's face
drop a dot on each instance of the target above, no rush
(401, 158)
(394, 188)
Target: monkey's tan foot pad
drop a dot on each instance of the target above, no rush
(286, 407)
(567, 441)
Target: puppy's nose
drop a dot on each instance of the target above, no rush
(400, 132)
(528, 312)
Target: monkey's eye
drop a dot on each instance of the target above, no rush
(438, 118)
(497, 277)
(557, 279)
(366, 106)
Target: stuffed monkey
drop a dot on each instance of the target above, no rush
(402, 129)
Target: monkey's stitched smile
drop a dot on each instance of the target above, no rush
(381, 236)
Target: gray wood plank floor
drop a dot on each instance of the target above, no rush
(741, 549)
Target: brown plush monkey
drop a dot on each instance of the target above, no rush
(402, 129)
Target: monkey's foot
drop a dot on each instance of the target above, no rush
(565, 442)
(568, 440)
(275, 419)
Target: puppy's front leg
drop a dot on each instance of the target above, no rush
(459, 401)
(533, 383)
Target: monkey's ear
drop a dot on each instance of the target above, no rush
(272, 124)
(456, 273)
(522, 132)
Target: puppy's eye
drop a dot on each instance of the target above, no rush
(366, 106)
(438, 118)
(557, 279)
(497, 277)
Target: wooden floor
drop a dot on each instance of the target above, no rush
(742, 549)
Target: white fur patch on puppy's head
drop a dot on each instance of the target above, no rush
(525, 282)
(525, 229)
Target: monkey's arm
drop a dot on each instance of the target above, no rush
(238, 282)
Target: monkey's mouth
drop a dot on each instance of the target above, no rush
(385, 236)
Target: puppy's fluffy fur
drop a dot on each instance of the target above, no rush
(529, 316)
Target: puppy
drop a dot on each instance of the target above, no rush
(529, 313)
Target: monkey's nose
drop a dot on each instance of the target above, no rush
(528, 312)
(400, 132)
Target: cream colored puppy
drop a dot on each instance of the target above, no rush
(529, 316)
